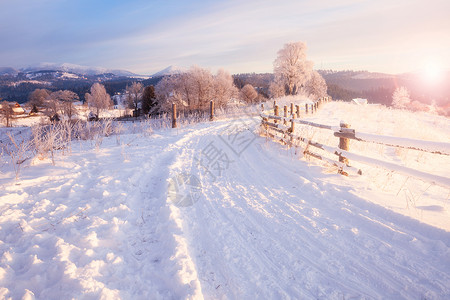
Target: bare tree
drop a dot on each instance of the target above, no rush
(291, 67)
(248, 93)
(60, 102)
(134, 94)
(65, 101)
(316, 85)
(98, 99)
(6, 113)
(400, 98)
(37, 97)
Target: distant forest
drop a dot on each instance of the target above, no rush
(342, 85)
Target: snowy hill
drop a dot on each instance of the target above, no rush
(76, 69)
(151, 212)
(170, 70)
(8, 71)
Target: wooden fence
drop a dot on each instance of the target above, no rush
(282, 128)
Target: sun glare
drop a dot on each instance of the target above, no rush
(432, 73)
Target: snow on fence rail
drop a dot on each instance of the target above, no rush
(279, 125)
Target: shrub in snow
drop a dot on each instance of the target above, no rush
(400, 98)
(248, 93)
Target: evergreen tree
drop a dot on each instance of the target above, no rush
(148, 99)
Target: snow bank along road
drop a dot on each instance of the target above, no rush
(250, 222)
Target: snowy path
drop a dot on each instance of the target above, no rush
(274, 227)
(100, 224)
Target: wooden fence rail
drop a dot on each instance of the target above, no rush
(344, 133)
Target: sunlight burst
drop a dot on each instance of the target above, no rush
(432, 73)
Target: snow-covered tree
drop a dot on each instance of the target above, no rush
(400, 98)
(98, 98)
(316, 85)
(248, 93)
(202, 84)
(291, 67)
(224, 88)
(65, 100)
(134, 94)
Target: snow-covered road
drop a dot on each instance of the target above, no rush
(257, 223)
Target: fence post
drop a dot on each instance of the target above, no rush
(285, 114)
(211, 110)
(292, 123)
(274, 104)
(298, 110)
(262, 107)
(174, 115)
(292, 129)
(344, 143)
(306, 107)
(292, 108)
(277, 113)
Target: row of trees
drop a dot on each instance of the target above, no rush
(194, 89)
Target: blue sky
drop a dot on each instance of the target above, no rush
(239, 36)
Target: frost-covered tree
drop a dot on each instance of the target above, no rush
(291, 67)
(224, 88)
(202, 83)
(62, 101)
(248, 93)
(98, 98)
(316, 85)
(165, 91)
(6, 112)
(134, 94)
(400, 98)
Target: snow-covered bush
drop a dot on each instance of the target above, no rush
(400, 98)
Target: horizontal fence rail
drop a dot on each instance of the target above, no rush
(420, 145)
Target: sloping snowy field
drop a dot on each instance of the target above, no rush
(216, 211)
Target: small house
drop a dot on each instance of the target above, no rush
(359, 101)
(17, 109)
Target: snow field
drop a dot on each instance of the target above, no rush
(97, 222)
(100, 223)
